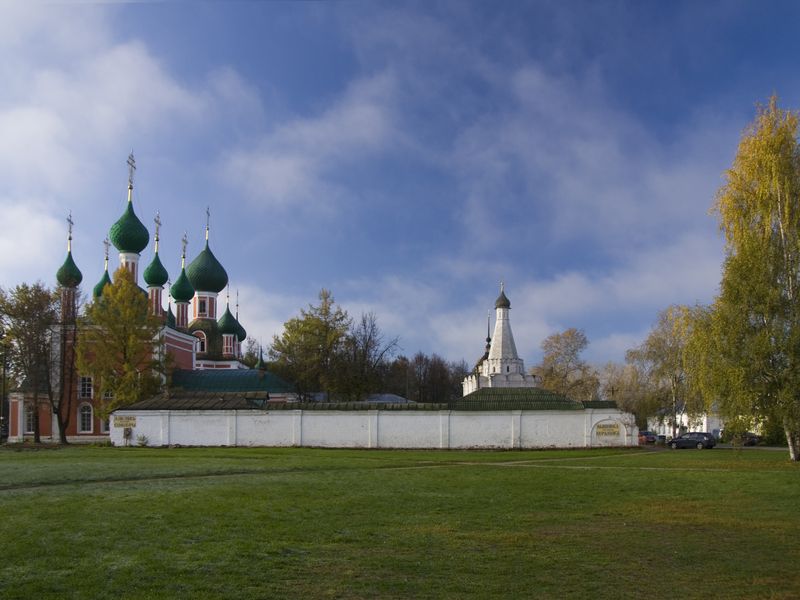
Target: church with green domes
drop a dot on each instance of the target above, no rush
(200, 335)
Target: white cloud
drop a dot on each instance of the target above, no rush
(29, 242)
(296, 164)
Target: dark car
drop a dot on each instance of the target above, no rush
(693, 439)
(748, 439)
(647, 437)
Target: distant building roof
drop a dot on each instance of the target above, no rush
(498, 398)
(229, 380)
(198, 400)
(387, 398)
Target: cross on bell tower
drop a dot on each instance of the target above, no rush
(184, 243)
(131, 169)
(157, 221)
(70, 223)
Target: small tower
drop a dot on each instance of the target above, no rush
(128, 234)
(155, 276)
(169, 319)
(105, 280)
(182, 291)
(241, 334)
(503, 357)
(69, 278)
(208, 278)
(227, 326)
(500, 366)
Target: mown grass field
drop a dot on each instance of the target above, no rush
(309, 523)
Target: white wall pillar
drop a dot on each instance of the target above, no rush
(372, 415)
(444, 429)
(165, 425)
(232, 428)
(297, 428)
(516, 428)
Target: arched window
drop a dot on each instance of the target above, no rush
(201, 341)
(85, 418)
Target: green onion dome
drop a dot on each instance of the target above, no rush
(502, 301)
(128, 234)
(205, 272)
(98, 289)
(170, 317)
(155, 275)
(68, 274)
(227, 323)
(182, 290)
(241, 334)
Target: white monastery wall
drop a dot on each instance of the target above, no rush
(377, 428)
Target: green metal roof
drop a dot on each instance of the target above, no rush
(104, 281)
(227, 323)
(182, 290)
(206, 273)
(514, 399)
(599, 404)
(229, 380)
(155, 275)
(241, 334)
(68, 274)
(128, 234)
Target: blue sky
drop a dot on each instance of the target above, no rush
(408, 156)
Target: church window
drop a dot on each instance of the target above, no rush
(85, 387)
(508, 369)
(85, 418)
(29, 417)
(227, 344)
(201, 341)
(212, 308)
(202, 309)
(104, 425)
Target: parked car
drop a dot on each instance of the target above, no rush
(748, 438)
(693, 439)
(647, 437)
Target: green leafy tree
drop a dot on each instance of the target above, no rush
(119, 346)
(29, 314)
(745, 350)
(661, 366)
(252, 352)
(562, 370)
(308, 350)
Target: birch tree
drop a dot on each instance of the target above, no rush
(745, 349)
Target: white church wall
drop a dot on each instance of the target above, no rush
(378, 429)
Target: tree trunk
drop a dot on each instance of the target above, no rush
(37, 438)
(793, 440)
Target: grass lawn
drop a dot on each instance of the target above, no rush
(312, 523)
